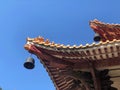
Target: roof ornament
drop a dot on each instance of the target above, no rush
(41, 39)
(47, 41)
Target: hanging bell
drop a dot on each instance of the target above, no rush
(29, 64)
(97, 37)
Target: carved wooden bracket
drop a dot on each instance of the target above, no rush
(82, 77)
(95, 77)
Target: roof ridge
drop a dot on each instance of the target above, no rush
(41, 41)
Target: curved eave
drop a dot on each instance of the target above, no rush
(60, 82)
(74, 54)
(54, 58)
(106, 31)
(57, 57)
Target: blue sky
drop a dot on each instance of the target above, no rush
(62, 21)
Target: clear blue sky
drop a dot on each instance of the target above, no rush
(62, 21)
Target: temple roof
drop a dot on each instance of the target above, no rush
(59, 59)
(107, 31)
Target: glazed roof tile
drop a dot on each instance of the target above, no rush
(62, 46)
(107, 31)
(100, 53)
